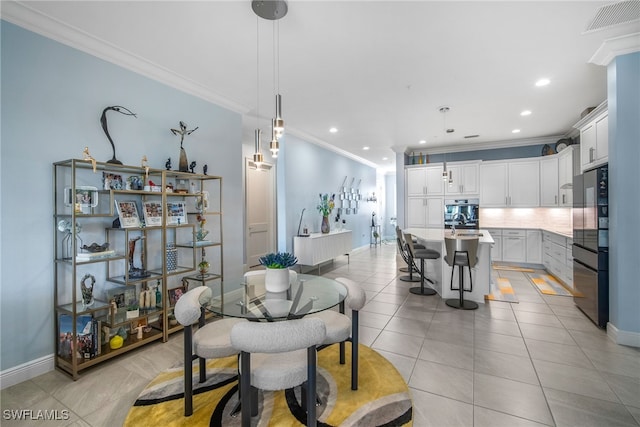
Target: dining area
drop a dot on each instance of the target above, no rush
(275, 333)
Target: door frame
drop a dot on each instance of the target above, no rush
(273, 223)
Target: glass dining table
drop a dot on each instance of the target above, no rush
(307, 294)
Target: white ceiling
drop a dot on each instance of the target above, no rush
(376, 70)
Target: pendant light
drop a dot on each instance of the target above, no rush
(274, 146)
(258, 159)
(278, 122)
(257, 155)
(444, 111)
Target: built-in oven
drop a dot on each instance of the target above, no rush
(462, 213)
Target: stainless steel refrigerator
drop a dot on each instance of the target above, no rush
(591, 244)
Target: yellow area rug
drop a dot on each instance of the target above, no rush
(548, 285)
(382, 398)
(501, 290)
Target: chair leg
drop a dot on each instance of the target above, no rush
(422, 290)
(188, 371)
(311, 389)
(354, 349)
(245, 386)
(203, 369)
(342, 353)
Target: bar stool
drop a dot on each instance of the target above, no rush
(420, 254)
(402, 247)
(463, 252)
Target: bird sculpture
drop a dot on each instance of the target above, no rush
(103, 121)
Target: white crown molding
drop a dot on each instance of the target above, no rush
(510, 143)
(616, 46)
(21, 14)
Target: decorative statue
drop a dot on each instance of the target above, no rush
(134, 272)
(87, 291)
(192, 166)
(205, 168)
(182, 166)
(86, 156)
(103, 120)
(145, 165)
(167, 165)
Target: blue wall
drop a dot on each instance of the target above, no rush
(52, 98)
(623, 77)
(304, 171)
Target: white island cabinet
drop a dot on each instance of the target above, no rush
(440, 271)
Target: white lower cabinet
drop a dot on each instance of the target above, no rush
(514, 245)
(496, 250)
(534, 247)
(557, 257)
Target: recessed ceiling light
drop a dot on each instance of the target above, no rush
(543, 82)
(422, 141)
(515, 131)
(333, 130)
(525, 113)
(385, 158)
(365, 148)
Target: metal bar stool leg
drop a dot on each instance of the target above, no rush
(422, 290)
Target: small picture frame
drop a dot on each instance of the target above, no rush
(112, 181)
(176, 213)
(182, 186)
(175, 294)
(135, 182)
(85, 196)
(128, 214)
(152, 213)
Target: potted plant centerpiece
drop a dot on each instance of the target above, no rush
(277, 275)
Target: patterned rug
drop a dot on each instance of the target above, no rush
(548, 285)
(382, 397)
(501, 290)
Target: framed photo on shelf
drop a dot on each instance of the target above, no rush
(175, 294)
(85, 196)
(176, 213)
(111, 181)
(152, 213)
(128, 214)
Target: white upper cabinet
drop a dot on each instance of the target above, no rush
(425, 181)
(568, 166)
(463, 179)
(594, 138)
(513, 184)
(549, 188)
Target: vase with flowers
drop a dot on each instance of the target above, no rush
(325, 207)
(201, 233)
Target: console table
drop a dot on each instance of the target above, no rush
(318, 248)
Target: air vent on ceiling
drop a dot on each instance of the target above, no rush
(471, 136)
(614, 14)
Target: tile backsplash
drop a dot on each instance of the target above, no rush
(553, 219)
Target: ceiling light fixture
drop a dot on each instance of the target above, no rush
(525, 113)
(515, 131)
(365, 148)
(542, 82)
(444, 111)
(258, 159)
(333, 130)
(422, 141)
(257, 155)
(274, 146)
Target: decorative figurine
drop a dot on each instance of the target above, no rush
(87, 291)
(135, 272)
(146, 168)
(205, 168)
(167, 165)
(192, 166)
(103, 120)
(182, 166)
(86, 156)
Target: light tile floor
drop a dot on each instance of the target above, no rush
(538, 362)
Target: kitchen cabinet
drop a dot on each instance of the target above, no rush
(556, 256)
(511, 184)
(534, 246)
(549, 188)
(424, 181)
(568, 167)
(514, 247)
(463, 179)
(425, 212)
(496, 250)
(594, 138)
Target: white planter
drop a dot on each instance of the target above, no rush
(276, 279)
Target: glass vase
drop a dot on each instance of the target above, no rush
(324, 227)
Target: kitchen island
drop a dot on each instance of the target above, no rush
(440, 272)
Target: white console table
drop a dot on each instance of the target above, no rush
(319, 248)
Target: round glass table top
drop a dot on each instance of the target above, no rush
(307, 294)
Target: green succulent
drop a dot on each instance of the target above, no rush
(278, 260)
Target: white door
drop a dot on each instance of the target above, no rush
(260, 209)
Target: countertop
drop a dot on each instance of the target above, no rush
(438, 234)
(560, 232)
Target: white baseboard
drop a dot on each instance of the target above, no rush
(623, 337)
(26, 371)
